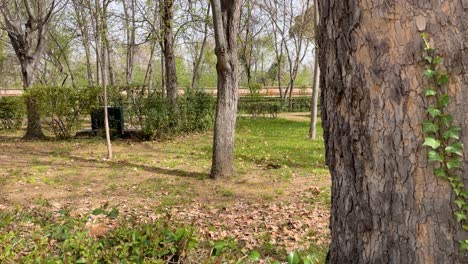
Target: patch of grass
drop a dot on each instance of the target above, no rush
(323, 198)
(226, 192)
(279, 142)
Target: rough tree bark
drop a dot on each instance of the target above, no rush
(169, 56)
(27, 30)
(226, 16)
(387, 207)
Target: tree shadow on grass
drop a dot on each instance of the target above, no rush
(152, 169)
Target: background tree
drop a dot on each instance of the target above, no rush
(226, 16)
(27, 24)
(387, 206)
(167, 7)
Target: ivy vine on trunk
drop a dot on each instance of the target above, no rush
(442, 136)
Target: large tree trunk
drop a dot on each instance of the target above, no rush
(169, 56)
(34, 127)
(387, 207)
(226, 16)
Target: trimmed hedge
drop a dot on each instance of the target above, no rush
(257, 105)
(12, 112)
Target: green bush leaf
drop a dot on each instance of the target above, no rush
(437, 60)
(452, 132)
(453, 163)
(293, 258)
(434, 112)
(254, 256)
(444, 100)
(431, 142)
(434, 156)
(430, 127)
(455, 148)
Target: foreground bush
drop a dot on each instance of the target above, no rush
(45, 237)
(42, 236)
(12, 112)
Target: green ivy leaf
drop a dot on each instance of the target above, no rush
(437, 60)
(463, 244)
(460, 215)
(444, 100)
(431, 142)
(434, 156)
(464, 194)
(442, 79)
(434, 112)
(430, 127)
(430, 92)
(429, 73)
(456, 148)
(459, 203)
(453, 163)
(446, 120)
(452, 132)
(440, 172)
(428, 59)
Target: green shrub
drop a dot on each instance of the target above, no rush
(12, 111)
(62, 107)
(194, 113)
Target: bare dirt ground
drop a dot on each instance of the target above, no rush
(284, 206)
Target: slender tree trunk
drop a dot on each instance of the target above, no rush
(314, 104)
(163, 72)
(130, 27)
(169, 56)
(106, 48)
(83, 23)
(148, 80)
(196, 67)
(226, 16)
(102, 32)
(315, 91)
(387, 206)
